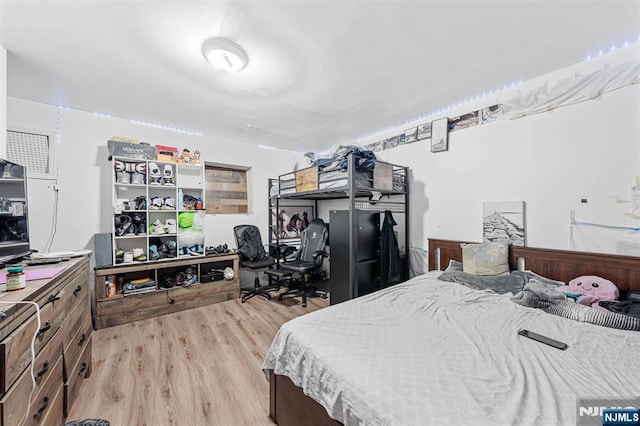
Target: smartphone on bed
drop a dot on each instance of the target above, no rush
(543, 339)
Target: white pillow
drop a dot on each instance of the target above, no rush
(485, 259)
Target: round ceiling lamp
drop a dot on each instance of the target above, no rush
(224, 54)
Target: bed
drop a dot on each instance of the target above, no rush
(354, 170)
(433, 352)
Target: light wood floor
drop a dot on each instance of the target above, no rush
(197, 367)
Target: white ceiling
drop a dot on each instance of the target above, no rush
(320, 72)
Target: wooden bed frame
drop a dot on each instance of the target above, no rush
(290, 406)
(561, 265)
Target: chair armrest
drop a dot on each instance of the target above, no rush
(318, 257)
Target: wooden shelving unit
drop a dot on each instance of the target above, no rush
(211, 287)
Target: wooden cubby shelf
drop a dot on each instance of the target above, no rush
(210, 287)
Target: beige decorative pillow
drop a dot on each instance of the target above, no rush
(485, 258)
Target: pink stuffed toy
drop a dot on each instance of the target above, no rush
(590, 290)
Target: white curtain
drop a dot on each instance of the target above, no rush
(595, 238)
(566, 92)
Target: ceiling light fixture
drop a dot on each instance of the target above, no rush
(224, 54)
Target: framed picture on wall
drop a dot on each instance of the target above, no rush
(290, 221)
(424, 131)
(411, 135)
(440, 135)
(504, 222)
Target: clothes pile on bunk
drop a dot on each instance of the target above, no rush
(338, 160)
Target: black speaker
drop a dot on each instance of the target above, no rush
(103, 249)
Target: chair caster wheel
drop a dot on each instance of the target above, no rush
(280, 297)
(242, 300)
(324, 296)
(268, 297)
(304, 305)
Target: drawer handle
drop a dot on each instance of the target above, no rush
(82, 368)
(77, 290)
(45, 403)
(47, 327)
(82, 339)
(52, 298)
(40, 373)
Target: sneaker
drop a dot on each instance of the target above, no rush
(153, 252)
(171, 226)
(158, 228)
(138, 255)
(169, 203)
(155, 176)
(123, 177)
(156, 203)
(167, 175)
(137, 178)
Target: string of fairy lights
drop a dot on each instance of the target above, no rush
(382, 131)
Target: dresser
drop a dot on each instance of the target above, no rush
(62, 349)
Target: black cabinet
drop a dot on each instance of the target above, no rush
(355, 254)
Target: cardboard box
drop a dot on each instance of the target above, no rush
(168, 154)
(307, 179)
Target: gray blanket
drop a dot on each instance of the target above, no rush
(537, 295)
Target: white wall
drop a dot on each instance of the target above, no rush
(589, 150)
(551, 161)
(84, 174)
(3, 102)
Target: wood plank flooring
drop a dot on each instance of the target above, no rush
(197, 367)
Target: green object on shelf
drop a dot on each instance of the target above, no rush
(185, 219)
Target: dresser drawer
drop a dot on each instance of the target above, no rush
(76, 346)
(13, 404)
(55, 415)
(81, 370)
(80, 313)
(48, 402)
(77, 289)
(15, 350)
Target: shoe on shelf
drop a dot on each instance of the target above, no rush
(171, 226)
(156, 203)
(153, 252)
(168, 204)
(167, 175)
(158, 228)
(155, 175)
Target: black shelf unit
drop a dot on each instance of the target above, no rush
(354, 230)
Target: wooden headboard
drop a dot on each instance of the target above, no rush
(562, 265)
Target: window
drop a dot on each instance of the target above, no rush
(226, 189)
(32, 149)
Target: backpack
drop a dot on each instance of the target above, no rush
(251, 244)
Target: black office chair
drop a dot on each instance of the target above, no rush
(308, 260)
(252, 256)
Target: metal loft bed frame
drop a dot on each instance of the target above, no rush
(386, 187)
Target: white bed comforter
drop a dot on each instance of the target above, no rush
(428, 352)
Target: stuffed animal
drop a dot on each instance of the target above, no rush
(589, 290)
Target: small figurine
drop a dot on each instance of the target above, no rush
(185, 157)
(196, 154)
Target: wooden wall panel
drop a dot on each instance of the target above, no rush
(226, 191)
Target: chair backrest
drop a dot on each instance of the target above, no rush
(312, 239)
(249, 242)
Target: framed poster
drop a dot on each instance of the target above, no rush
(504, 222)
(411, 135)
(424, 131)
(290, 221)
(440, 135)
